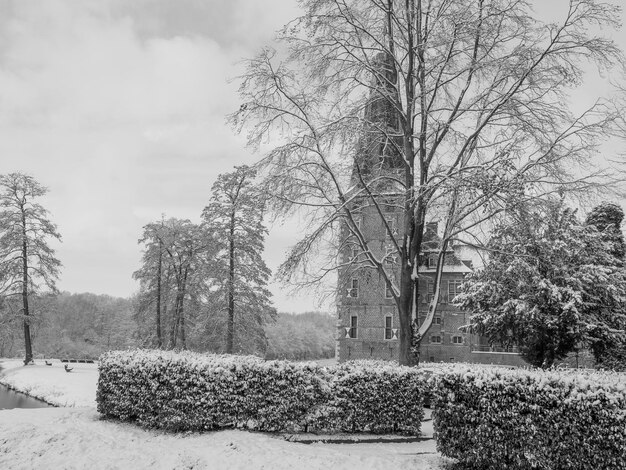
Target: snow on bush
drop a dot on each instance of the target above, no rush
(520, 419)
(376, 397)
(190, 391)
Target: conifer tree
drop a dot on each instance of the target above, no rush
(550, 285)
(234, 221)
(174, 249)
(607, 219)
(27, 261)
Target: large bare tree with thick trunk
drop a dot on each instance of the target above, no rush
(445, 109)
(26, 260)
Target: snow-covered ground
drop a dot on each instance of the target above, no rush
(51, 383)
(77, 438)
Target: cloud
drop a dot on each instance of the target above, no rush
(118, 107)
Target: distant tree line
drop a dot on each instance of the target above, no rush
(70, 325)
(202, 286)
(300, 337)
(86, 325)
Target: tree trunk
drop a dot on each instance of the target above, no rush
(181, 310)
(409, 282)
(405, 315)
(174, 329)
(27, 341)
(158, 301)
(230, 331)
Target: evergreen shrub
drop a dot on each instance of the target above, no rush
(377, 397)
(520, 419)
(194, 392)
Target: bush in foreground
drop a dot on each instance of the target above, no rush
(377, 397)
(189, 391)
(497, 418)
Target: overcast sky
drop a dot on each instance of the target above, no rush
(118, 106)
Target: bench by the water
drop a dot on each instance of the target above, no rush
(80, 361)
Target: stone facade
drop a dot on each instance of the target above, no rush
(367, 317)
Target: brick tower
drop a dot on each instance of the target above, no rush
(367, 316)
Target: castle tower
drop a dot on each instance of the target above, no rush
(367, 316)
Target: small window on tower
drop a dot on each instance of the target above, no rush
(454, 289)
(354, 288)
(388, 327)
(354, 323)
(388, 291)
(390, 226)
(431, 292)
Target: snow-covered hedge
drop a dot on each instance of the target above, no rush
(188, 391)
(377, 397)
(519, 419)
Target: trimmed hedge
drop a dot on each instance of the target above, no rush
(189, 391)
(377, 397)
(519, 419)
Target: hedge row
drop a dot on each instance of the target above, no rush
(188, 391)
(517, 419)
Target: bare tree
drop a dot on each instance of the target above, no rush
(444, 109)
(26, 260)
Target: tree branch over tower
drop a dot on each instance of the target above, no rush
(441, 109)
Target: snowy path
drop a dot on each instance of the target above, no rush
(76, 438)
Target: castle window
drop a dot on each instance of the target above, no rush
(392, 226)
(437, 320)
(431, 262)
(388, 291)
(457, 340)
(443, 298)
(454, 288)
(388, 327)
(354, 323)
(431, 292)
(354, 288)
(435, 339)
(391, 258)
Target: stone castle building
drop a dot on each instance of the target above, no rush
(367, 317)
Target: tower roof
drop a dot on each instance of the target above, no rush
(380, 142)
(431, 244)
